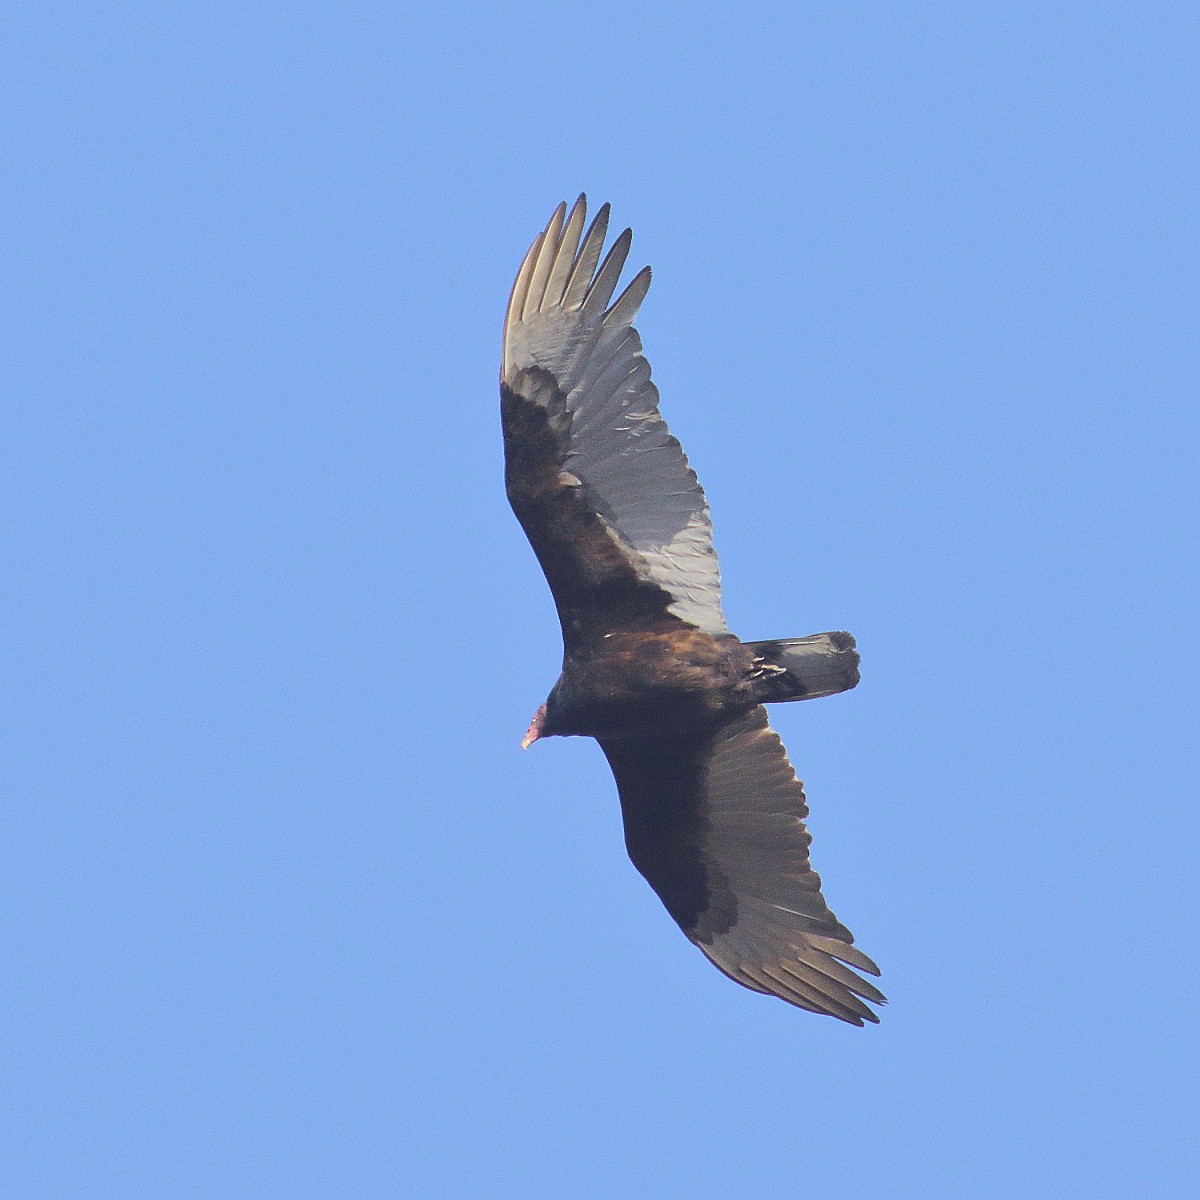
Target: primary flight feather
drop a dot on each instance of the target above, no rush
(713, 812)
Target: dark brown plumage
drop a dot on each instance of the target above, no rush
(713, 811)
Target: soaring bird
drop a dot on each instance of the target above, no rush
(713, 812)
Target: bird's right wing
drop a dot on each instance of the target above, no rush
(715, 823)
(603, 491)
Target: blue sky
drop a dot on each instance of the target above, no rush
(285, 911)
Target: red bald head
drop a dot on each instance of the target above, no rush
(535, 728)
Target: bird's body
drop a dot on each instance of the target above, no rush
(712, 810)
(671, 681)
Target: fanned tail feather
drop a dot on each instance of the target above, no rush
(821, 664)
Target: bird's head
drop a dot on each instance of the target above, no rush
(535, 729)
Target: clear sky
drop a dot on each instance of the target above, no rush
(285, 912)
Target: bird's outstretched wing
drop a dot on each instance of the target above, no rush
(603, 491)
(715, 823)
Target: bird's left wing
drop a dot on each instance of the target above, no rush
(715, 823)
(613, 511)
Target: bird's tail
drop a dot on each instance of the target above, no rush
(822, 664)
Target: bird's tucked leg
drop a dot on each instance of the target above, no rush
(763, 669)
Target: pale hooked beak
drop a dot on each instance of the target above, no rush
(535, 728)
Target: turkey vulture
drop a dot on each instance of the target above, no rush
(713, 812)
